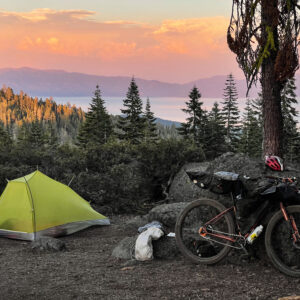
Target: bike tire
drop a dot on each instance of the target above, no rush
(279, 245)
(187, 246)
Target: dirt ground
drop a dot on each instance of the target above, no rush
(87, 271)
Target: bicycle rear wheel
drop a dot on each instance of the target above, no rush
(191, 244)
(279, 242)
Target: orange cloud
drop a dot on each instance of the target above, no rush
(71, 37)
(200, 37)
(43, 14)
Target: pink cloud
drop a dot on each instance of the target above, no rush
(73, 40)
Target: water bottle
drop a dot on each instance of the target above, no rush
(254, 234)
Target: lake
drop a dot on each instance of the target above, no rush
(168, 108)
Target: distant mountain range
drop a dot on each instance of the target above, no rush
(167, 123)
(63, 84)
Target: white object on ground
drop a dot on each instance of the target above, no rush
(143, 244)
(171, 234)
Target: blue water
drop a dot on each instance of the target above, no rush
(168, 108)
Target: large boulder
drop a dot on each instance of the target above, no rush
(183, 189)
(166, 214)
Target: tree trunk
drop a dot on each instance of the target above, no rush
(271, 88)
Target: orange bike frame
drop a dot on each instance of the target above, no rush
(291, 221)
(203, 231)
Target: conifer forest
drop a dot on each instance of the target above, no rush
(125, 163)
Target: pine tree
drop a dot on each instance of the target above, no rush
(97, 127)
(194, 127)
(22, 134)
(36, 137)
(257, 108)
(132, 124)
(290, 134)
(251, 138)
(150, 125)
(231, 112)
(5, 139)
(52, 137)
(215, 135)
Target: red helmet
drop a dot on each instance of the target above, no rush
(274, 162)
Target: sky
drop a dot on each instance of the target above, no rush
(167, 40)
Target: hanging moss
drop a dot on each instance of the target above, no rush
(266, 51)
(253, 42)
(289, 5)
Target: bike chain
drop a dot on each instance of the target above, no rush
(242, 244)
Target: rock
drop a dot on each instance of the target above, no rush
(136, 222)
(125, 248)
(165, 248)
(166, 214)
(183, 189)
(45, 243)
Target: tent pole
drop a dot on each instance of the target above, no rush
(33, 211)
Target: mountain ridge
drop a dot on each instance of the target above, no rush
(61, 83)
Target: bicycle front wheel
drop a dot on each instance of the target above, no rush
(203, 250)
(280, 247)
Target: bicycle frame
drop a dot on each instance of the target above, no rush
(291, 223)
(204, 231)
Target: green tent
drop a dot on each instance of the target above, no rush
(36, 205)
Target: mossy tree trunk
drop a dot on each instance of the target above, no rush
(271, 88)
(264, 36)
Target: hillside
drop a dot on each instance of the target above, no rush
(61, 83)
(19, 110)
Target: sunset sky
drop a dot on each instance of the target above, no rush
(168, 40)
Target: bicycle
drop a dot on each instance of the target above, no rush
(206, 231)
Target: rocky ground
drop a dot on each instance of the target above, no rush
(88, 271)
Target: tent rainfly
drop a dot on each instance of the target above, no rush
(36, 205)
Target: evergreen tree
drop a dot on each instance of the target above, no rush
(18, 109)
(194, 127)
(52, 137)
(97, 127)
(150, 125)
(215, 136)
(5, 139)
(231, 112)
(257, 108)
(132, 124)
(290, 134)
(251, 138)
(22, 133)
(35, 136)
